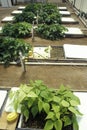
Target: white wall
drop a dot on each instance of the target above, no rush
(81, 5)
(84, 6)
(78, 4)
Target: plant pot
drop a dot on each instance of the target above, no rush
(19, 125)
(20, 122)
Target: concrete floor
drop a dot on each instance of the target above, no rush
(53, 76)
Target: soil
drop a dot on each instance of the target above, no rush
(38, 123)
(52, 75)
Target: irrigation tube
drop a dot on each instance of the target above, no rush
(55, 64)
(50, 64)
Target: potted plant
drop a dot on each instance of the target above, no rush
(46, 108)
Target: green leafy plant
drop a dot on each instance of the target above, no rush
(49, 8)
(51, 32)
(33, 7)
(25, 16)
(49, 19)
(58, 108)
(10, 48)
(17, 30)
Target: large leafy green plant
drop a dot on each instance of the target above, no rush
(49, 19)
(49, 8)
(33, 7)
(17, 30)
(25, 16)
(59, 107)
(10, 48)
(51, 32)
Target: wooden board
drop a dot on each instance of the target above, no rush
(5, 125)
(67, 20)
(21, 7)
(41, 52)
(75, 51)
(8, 19)
(16, 12)
(65, 13)
(62, 8)
(74, 32)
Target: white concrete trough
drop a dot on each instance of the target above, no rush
(41, 52)
(21, 7)
(75, 51)
(74, 32)
(62, 8)
(65, 13)
(3, 95)
(8, 19)
(67, 20)
(15, 12)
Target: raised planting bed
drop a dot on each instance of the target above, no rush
(48, 55)
(81, 120)
(45, 108)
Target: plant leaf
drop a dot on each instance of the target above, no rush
(31, 94)
(74, 103)
(46, 107)
(67, 120)
(58, 125)
(65, 103)
(57, 99)
(73, 110)
(40, 105)
(50, 115)
(48, 125)
(75, 123)
(34, 110)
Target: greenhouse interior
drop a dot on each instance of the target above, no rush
(43, 64)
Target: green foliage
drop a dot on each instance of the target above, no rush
(17, 30)
(49, 19)
(47, 15)
(60, 106)
(25, 17)
(33, 7)
(49, 8)
(10, 48)
(51, 32)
